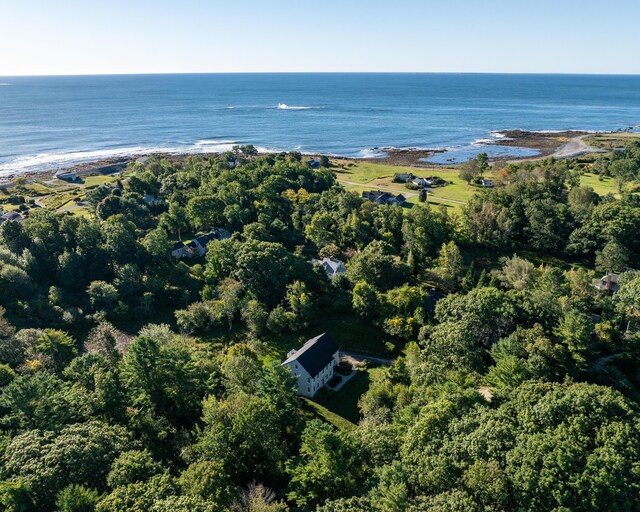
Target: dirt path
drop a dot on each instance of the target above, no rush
(577, 146)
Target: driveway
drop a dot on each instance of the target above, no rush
(359, 357)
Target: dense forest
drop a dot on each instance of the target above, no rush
(134, 381)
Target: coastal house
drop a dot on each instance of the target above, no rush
(15, 216)
(179, 250)
(403, 177)
(608, 283)
(486, 183)
(422, 182)
(66, 176)
(313, 163)
(380, 197)
(313, 364)
(332, 266)
(151, 200)
(197, 247)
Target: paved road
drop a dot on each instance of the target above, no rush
(406, 194)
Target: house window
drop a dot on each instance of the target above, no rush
(308, 390)
(296, 365)
(308, 379)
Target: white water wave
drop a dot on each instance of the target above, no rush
(284, 106)
(371, 153)
(495, 136)
(48, 161)
(56, 160)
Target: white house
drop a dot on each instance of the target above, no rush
(11, 216)
(66, 175)
(332, 266)
(151, 200)
(313, 364)
(608, 282)
(486, 183)
(422, 182)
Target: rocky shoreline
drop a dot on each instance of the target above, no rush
(547, 143)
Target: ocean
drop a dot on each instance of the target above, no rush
(52, 122)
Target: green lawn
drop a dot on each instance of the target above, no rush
(37, 189)
(344, 402)
(314, 410)
(99, 179)
(56, 201)
(360, 176)
(602, 185)
(80, 212)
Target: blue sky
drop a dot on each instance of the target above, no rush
(156, 36)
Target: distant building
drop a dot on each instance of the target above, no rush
(486, 183)
(179, 250)
(151, 200)
(15, 216)
(426, 182)
(403, 177)
(313, 364)
(608, 282)
(66, 176)
(197, 247)
(332, 266)
(313, 163)
(380, 197)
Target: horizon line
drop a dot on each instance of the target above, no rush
(165, 73)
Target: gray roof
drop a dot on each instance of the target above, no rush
(331, 265)
(12, 216)
(315, 354)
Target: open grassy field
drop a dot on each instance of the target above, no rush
(55, 194)
(360, 176)
(612, 140)
(55, 201)
(99, 179)
(602, 185)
